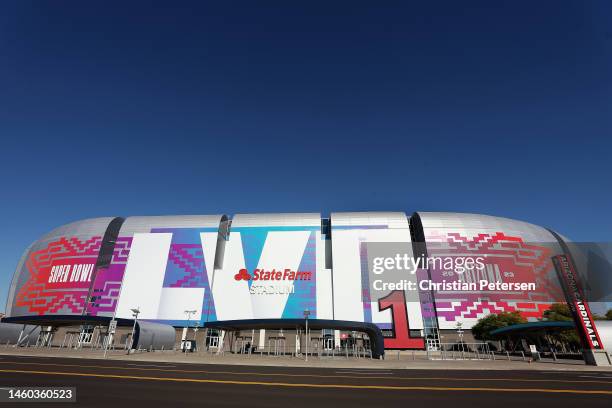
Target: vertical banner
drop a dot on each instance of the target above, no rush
(577, 303)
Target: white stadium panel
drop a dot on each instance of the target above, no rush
(365, 219)
(175, 301)
(349, 232)
(232, 298)
(147, 223)
(381, 317)
(276, 220)
(144, 275)
(347, 290)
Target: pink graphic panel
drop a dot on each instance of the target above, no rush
(59, 276)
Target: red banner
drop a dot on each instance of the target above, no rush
(577, 302)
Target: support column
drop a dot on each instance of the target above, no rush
(261, 344)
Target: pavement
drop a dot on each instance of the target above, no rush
(393, 360)
(136, 383)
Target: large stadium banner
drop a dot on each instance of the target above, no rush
(262, 270)
(162, 266)
(56, 273)
(512, 253)
(268, 272)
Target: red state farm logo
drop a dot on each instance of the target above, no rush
(242, 274)
(273, 275)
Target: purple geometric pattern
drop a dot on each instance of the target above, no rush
(107, 284)
(185, 267)
(511, 257)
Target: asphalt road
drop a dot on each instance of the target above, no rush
(101, 383)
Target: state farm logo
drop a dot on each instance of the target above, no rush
(273, 275)
(242, 275)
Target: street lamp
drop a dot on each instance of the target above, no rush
(135, 313)
(306, 314)
(460, 334)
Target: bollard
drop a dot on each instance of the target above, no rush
(398, 355)
(413, 356)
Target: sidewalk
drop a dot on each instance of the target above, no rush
(406, 360)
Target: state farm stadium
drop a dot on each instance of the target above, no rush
(257, 279)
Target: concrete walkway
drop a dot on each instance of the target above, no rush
(405, 360)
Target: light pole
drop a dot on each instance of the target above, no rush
(195, 332)
(135, 313)
(188, 314)
(306, 314)
(460, 334)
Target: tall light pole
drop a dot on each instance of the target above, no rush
(306, 314)
(188, 314)
(195, 332)
(460, 334)
(135, 313)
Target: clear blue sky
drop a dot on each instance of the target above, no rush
(129, 108)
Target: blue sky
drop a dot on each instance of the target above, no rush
(107, 108)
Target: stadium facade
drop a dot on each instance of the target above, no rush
(258, 271)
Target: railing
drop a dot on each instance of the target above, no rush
(461, 351)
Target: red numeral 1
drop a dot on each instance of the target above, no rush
(401, 339)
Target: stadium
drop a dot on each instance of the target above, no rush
(256, 279)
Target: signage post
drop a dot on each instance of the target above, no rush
(592, 347)
(110, 334)
(184, 342)
(306, 314)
